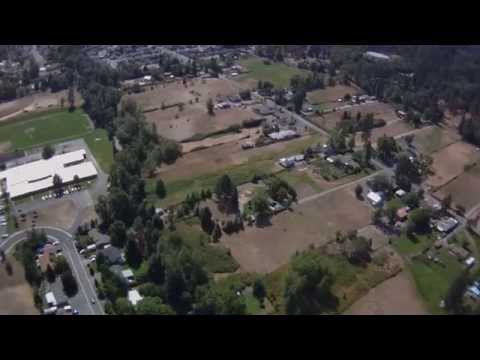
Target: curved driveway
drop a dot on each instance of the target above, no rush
(86, 286)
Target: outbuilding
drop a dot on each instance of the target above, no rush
(375, 198)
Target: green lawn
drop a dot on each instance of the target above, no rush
(278, 74)
(253, 305)
(407, 247)
(433, 280)
(260, 164)
(101, 147)
(45, 128)
(296, 179)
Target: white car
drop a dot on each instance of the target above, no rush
(56, 242)
(66, 192)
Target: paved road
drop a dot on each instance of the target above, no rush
(86, 286)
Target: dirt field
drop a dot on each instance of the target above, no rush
(330, 94)
(193, 119)
(430, 140)
(60, 214)
(464, 189)
(449, 162)
(380, 110)
(265, 249)
(33, 103)
(16, 297)
(379, 240)
(250, 134)
(395, 296)
(394, 129)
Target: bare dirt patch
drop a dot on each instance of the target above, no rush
(266, 249)
(464, 189)
(60, 214)
(449, 162)
(16, 296)
(395, 296)
(193, 119)
(250, 134)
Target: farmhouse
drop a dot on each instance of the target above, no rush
(38, 175)
(446, 225)
(375, 198)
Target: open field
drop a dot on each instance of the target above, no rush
(266, 249)
(16, 296)
(200, 169)
(395, 296)
(278, 74)
(464, 189)
(430, 140)
(44, 128)
(193, 119)
(330, 94)
(251, 134)
(35, 103)
(380, 111)
(101, 148)
(449, 162)
(394, 129)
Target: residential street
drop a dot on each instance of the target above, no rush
(84, 280)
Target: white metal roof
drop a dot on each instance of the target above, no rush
(127, 273)
(374, 197)
(134, 297)
(50, 298)
(38, 175)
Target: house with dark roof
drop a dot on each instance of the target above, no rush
(113, 255)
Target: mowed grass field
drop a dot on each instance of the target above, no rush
(101, 147)
(44, 128)
(277, 73)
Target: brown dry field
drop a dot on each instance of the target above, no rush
(266, 249)
(219, 157)
(193, 119)
(16, 296)
(330, 94)
(380, 110)
(35, 102)
(449, 162)
(464, 189)
(395, 129)
(247, 134)
(379, 240)
(60, 214)
(395, 296)
(431, 139)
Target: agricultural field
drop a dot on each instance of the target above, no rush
(267, 248)
(464, 189)
(394, 129)
(380, 110)
(395, 296)
(330, 94)
(183, 123)
(432, 139)
(49, 127)
(278, 74)
(16, 296)
(449, 163)
(200, 169)
(101, 147)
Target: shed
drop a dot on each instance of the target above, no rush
(400, 193)
(470, 261)
(375, 198)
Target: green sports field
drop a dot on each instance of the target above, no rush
(277, 73)
(49, 127)
(101, 147)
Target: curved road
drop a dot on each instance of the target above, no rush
(86, 286)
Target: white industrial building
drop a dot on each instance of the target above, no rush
(38, 175)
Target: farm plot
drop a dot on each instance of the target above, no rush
(395, 296)
(200, 169)
(278, 74)
(191, 118)
(266, 249)
(16, 295)
(330, 94)
(449, 163)
(379, 110)
(44, 128)
(464, 189)
(432, 139)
